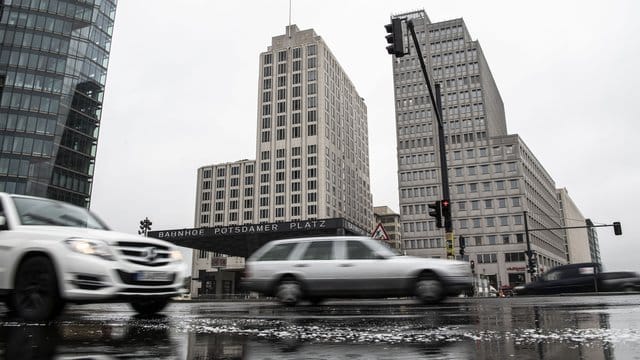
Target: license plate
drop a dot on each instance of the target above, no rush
(153, 276)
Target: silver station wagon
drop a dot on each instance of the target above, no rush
(317, 268)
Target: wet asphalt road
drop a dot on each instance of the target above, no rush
(561, 327)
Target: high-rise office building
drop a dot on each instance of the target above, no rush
(53, 67)
(312, 151)
(495, 180)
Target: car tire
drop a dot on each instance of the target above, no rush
(289, 291)
(36, 295)
(429, 289)
(149, 306)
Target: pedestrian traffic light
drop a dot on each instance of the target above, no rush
(473, 264)
(462, 243)
(617, 228)
(435, 210)
(394, 37)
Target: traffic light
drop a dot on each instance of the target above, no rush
(473, 265)
(145, 226)
(435, 210)
(617, 228)
(462, 242)
(394, 37)
(533, 265)
(446, 213)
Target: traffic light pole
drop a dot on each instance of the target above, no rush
(436, 104)
(616, 226)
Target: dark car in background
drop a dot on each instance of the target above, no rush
(581, 278)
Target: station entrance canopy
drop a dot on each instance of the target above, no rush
(243, 240)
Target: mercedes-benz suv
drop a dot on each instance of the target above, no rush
(53, 253)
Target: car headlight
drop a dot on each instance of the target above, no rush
(175, 255)
(90, 247)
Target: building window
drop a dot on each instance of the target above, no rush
(502, 203)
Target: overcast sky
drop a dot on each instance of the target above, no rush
(182, 92)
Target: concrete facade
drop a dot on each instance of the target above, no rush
(577, 240)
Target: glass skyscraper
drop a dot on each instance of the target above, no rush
(53, 67)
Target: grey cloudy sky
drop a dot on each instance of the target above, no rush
(182, 92)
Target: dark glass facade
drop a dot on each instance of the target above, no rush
(53, 67)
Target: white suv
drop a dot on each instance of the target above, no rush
(52, 253)
(349, 267)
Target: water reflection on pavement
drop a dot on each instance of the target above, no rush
(519, 328)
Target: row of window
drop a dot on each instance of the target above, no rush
(280, 213)
(296, 53)
(485, 169)
(281, 134)
(446, 44)
(27, 124)
(64, 8)
(500, 203)
(415, 143)
(45, 43)
(469, 223)
(26, 146)
(487, 186)
(418, 175)
(415, 192)
(448, 31)
(465, 138)
(30, 102)
(471, 205)
(454, 57)
(435, 243)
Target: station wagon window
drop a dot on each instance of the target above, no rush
(319, 250)
(278, 252)
(358, 250)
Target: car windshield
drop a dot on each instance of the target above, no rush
(49, 212)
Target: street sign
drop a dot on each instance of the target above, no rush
(379, 233)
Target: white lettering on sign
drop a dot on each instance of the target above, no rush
(181, 233)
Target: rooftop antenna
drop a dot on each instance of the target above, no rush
(289, 27)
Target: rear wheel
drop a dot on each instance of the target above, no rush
(36, 296)
(149, 306)
(289, 291)
(429, 288)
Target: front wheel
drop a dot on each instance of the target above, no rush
(429, 289)
(36, 296)
(149, 306)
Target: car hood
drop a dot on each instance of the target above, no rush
(65, 232)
